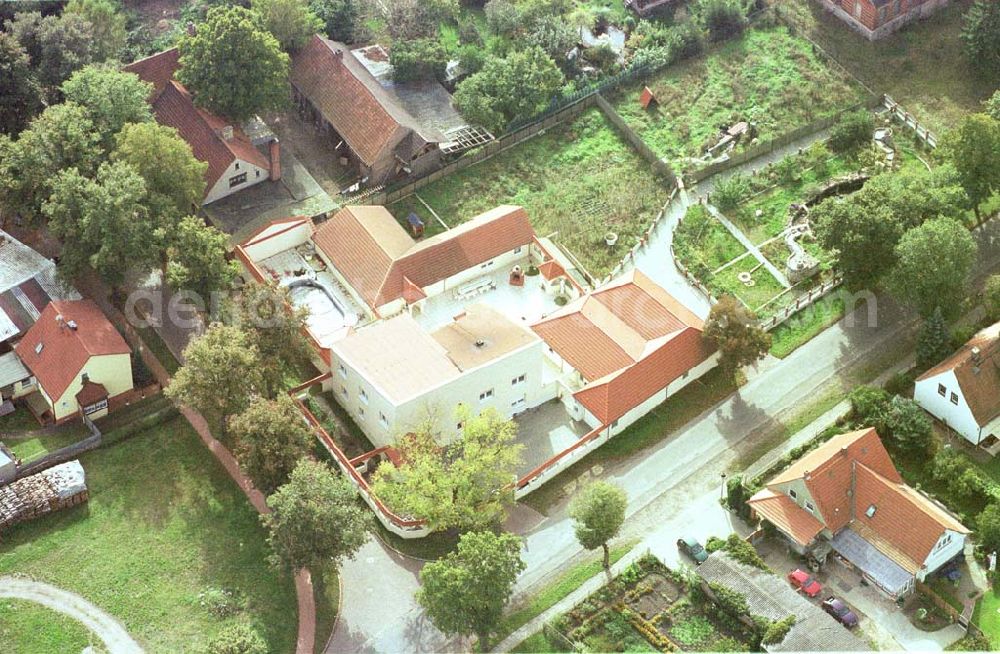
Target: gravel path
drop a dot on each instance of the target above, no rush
(107, 628)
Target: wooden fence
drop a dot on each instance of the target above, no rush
(923, 134)
(62, 455)
(660, 167)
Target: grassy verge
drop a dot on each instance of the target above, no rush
(987, 617)
(427, 548)
(29, 628)
(549, 596)
(579, 179)
(656, 426)
(20, 420)
(159, 349)
(164, 524)
(536, 644)
(38, 446)
(805, 325)
(326, 590)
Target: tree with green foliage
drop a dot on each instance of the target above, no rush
(941, 245)
(852, 130)
(992, 105)
(988, 527)
(870, 407)
(271, 437)
(274, 324)
(292, 22)
(502, 17)
(419, 59)
(112, 99)
(722, 18)
(233, 65)
(991, 297)
(60, 138)
(466, 591)
(777, 630)
(582, 19)
(102, 223)
(107, 21)
(220, 376)
(56, 46)
(465, 485)
(315, 518)
(175, 180)
(981, 38)
(598, 513)
(973, 149)
(238, 638)
(415, 19)
(339, 18)
(517, 86)
(20, 93)
(909, 425)
(733, 330)
(556, 37)
(196, 258)
(934, 342)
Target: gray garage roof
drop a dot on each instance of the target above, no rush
(886, 572)
(11, 369)
(771, 597)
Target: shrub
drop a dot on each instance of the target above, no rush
(778, 629)
(988, 527)
(852, 130)
(744, 552)
(901, 383)
(909, 425)
(730, 600)
(730, 192)
(238, 639)
(722, 18)
(714, 544)
(685, 40)
(870, 406)
(991, 298)
(418, 59)
(220, 603)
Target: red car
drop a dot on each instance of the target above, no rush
(802, 581)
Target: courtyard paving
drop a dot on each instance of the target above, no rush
(545, 431)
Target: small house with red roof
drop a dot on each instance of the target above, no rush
(78, 359)
(235, 160)
(846, 497)
(875, 19)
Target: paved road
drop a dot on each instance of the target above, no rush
(105, 627)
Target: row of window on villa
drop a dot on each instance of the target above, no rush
(943, 392)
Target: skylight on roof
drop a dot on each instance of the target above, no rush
(871, 511)
(38, 348)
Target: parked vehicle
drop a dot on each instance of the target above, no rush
(841, 612)
(692, 548)
(804, 582)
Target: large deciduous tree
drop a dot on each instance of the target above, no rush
(465, 592)
(292, 22)
(598, 513)
(981, 36)
(466, 485)
(315, 518)
(56, 46)
(107, 20)
(175, 180)
(516, 86)
(974, 149)
(112, 99)
(233, 65)
(196, 258)
(933, 264)
(339, 17)
(220, 376)
(20, 94)
(271, 437)
(102, 223)
(733, 329)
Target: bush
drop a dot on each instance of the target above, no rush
(238, 639)
(870, 406)
(988, 527)
(722, 18)
(778, 629)
(991, 298)
(220, 603)
(419, 59)
(901, 383)
(744, 552)
(852, 130)
(731, 192)
(730, 600)
(909, 425)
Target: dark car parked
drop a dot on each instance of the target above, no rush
(692, 548)
(840, 612)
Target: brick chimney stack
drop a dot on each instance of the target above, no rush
(274, 152)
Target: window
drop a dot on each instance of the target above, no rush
(236, 180)
(518, 403)
(792, 494)
(517, 380)
(236, 166)
(460, 425)
(487, 264)
(485, 395)
(361, 412)
(517, 250)
(954, 398)
(942, 391)
(871, 511)
(258, 174)
(363, 395)
(944, 541)
(94, 408)
(342, 369)
(343, 391)
(382, 419)
(809, 507)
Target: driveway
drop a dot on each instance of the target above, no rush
(104, 626)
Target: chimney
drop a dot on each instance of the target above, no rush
(274, 152)
(226, 133)
(976, 354)
(60, 321)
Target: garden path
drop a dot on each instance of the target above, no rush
(748, 244)
(103, 625)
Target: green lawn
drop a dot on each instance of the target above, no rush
(158, 349)
(987, 617)
(922, 66)
(764, 289)
(20, 420)
(536, 644)
(767, 76)
(803, 326)
(579, 181)
(164, 524)
(29, 628)
(702, 243)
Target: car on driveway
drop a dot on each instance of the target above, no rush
(841, 612)
(692, 548)
(803, 581)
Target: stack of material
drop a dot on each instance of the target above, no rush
(50, 490)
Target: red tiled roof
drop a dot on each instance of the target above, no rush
(786, 515)
(65, 351)
(91, 393)
(355, 240)
(319, 72)
(551, 270)
(174, 107)
(979, 380)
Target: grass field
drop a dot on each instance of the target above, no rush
(579, 180)
(28, 628)
(765, 287)
(768, 77)
(703, 244)
(922, 66)
(803, 326)
(987, 617)
(164, 524)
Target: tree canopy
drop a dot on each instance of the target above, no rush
(991, 297)
(465, 485)
(233, 65)
(107, 21)
(315, 518)
(598, 513)
(733, 329)
(175, 180)
(981, 37)
(466, 591)
(56, 45)
(339, 18)
(292, 22)
(19, 89)
(111, 98)
(941, 245)
(271, 437)
(973, 149)
(196, 258)
(934, 342)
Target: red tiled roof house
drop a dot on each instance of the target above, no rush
(234, 161)
(78, 359)
(847, 497)
(878, 18)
